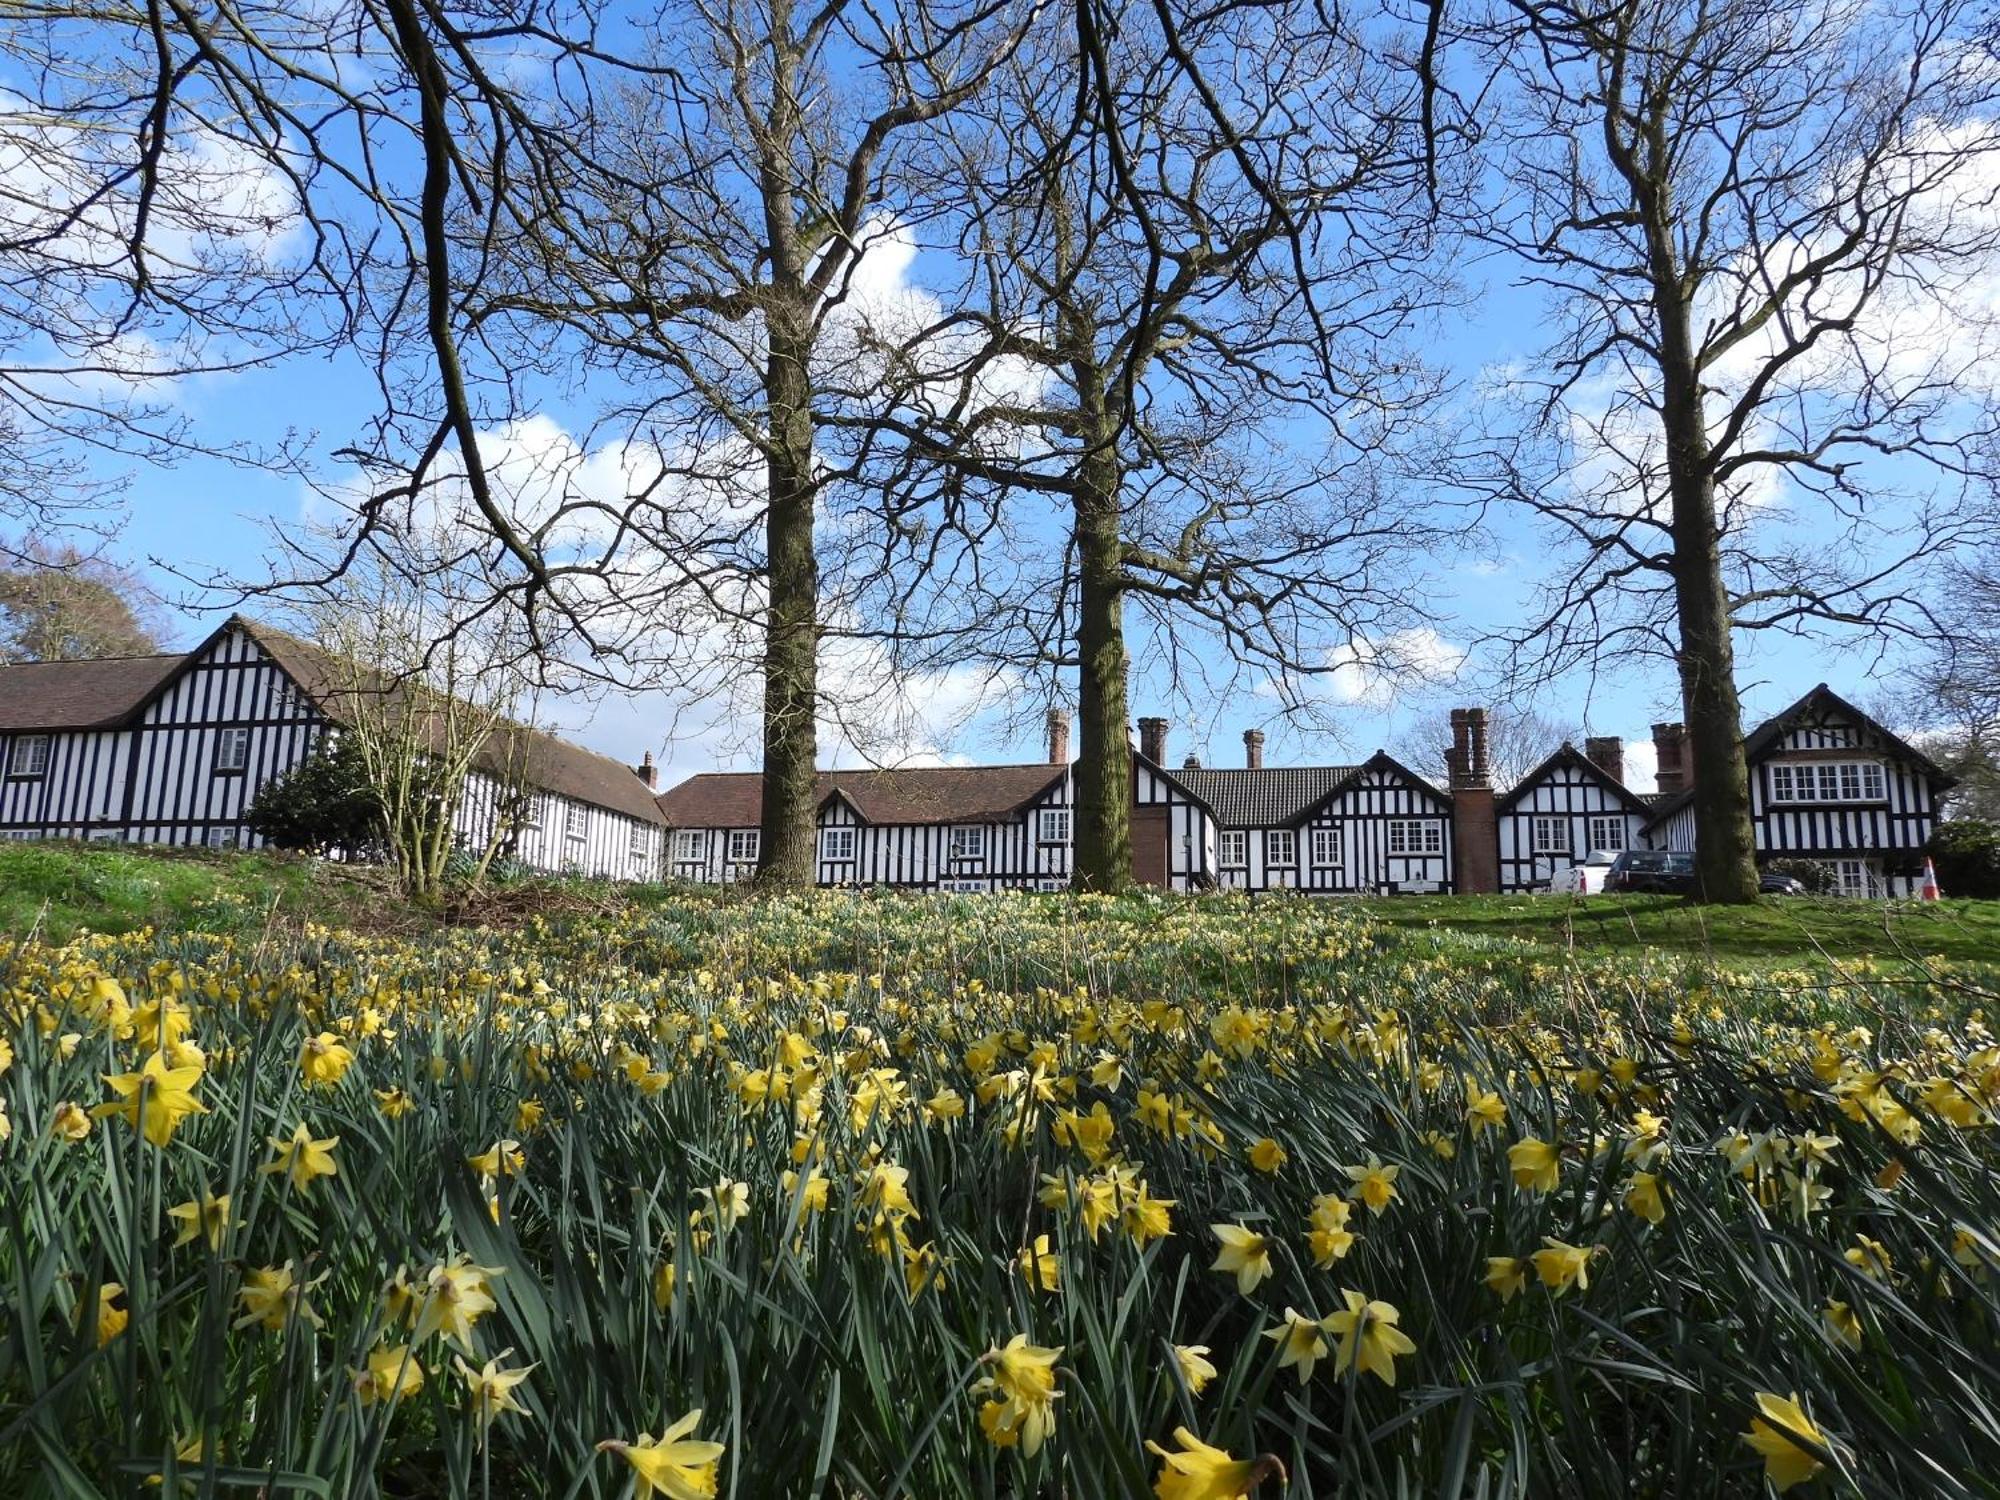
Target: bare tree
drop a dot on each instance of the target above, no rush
(1759, 227)
(702, 247)
(1955, 700)
(1170, 258)
(427, 694)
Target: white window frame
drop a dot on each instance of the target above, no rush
(1233, 849)
(27, 747)
(1829, 781)
(744, 845)
(967, 841)
(1281, 847)
(1602, 824)
(690, 846)
(1414, 838)
(639, 843)
(1051, 883)
(1548, 833)
(963, 887)
(1853, 876)
(224, 838)
(837, 844)
(1052, 825)
(576, 822)
(232, 750)
(1326, 848)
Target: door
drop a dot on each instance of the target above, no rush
(1150, 828)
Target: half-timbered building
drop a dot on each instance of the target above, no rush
(1829, 784)
(173, 749)
(1572, 805)
(942, 828)
(1377, 827)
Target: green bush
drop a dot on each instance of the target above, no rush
(1966, 852)
(323, 805)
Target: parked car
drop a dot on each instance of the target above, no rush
(1772, 884)
(1651, 870)
(1587, 878)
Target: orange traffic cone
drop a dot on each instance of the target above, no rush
(1929, 891)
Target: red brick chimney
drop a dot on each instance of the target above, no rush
(1607, 753)
(1475, 826)
(1253, 749)
(1153, 740)
(647, 772)
(1058, 736)
(1670, 746)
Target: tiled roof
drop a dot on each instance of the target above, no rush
(1269, 797)
(549, 762)
(79, 694)
(912, 794)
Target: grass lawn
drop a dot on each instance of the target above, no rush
(1776, 929)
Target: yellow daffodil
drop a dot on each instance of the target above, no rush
(1194, 1365)
(1562, 1266)
(1369, 1338)
(1535, 1165)
(1245, 1254)
(492, 1388)
(1374, 1183)
(1301, 1342)
(1787, 1440)
(302, 1158)
(324, 1059)
(1198, 1472)
(392, 1373)
(205, 1217)
(1040, 1266)
(673, 1464)
(155, 1099)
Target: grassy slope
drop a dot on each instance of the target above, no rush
(63, 889)
(1773, 930)
(59, 890)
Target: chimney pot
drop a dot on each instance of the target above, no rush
(648, 772)
(1153, 740)
(1253, 749)
(1192, 763)
(1607, 753)
(1058, 736)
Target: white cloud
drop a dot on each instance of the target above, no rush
(1375, 672)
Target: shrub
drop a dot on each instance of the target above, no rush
(1966, 852)
(324, 805)
(1818, 879)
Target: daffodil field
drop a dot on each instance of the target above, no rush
(855, 1196)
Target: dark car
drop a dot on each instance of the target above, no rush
(1652, 870)
(1780, 885)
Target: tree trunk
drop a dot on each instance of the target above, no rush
(786, 855)
(1725, 845)
(1103, 849)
